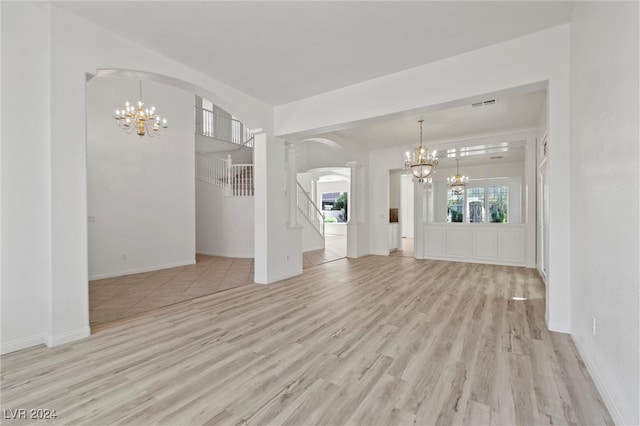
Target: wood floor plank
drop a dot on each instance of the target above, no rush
(375, 340)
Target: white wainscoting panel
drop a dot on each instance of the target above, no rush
(435, 241)
(485, 243)
(458, 242)
(502, 244)
(512, 244)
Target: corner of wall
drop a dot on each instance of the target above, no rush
(600, 384)
(67, 336)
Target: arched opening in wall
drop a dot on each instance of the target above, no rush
(141, 203)
(329, 196)
(325, 201)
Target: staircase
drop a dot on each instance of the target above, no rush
(236, 179)
(310, 211)
(216, 124)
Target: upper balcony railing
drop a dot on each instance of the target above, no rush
(221, 127)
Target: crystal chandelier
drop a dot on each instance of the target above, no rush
(422, 163)
(458, 182)
(143, 120)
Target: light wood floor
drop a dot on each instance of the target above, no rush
(375, 340)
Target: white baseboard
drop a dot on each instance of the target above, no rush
(140, 270)
(22, 343)
(308, 249)
(473, 260)
(275, 278)
(357, 254)
(225, 254)
(67, 336)
(558, 326)
(600, 385)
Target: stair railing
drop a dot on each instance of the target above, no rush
(221, 127)
(310, 210)
(240, 180)
(236, 179)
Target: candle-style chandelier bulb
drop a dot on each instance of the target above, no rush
(422, 163)
(143, 121)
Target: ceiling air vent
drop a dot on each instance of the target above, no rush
(484, 103)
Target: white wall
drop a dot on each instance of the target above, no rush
(25, 154)
(524, 63)
(395, 188)
(225, 225)
(605, 235)
(60, 50)
(335, 229)
(312, 155)
(140, 210)
(220, 149)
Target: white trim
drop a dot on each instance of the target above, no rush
(140, 270)
(277, 277)
(225, 254)
(22, 343)
(543, 276)
(478, 261)
(68, 336)
(558, 326)
(600, 385)
(308, 249)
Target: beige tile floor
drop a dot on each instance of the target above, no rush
(335, 247)
(116, 298)
(112, 299)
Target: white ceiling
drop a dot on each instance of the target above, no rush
(284, 51)
(508, 114)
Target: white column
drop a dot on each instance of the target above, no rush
(292, 186)
(278, 247)
(530, 195)
(352, 200)
(352, 224)
(418, 219)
